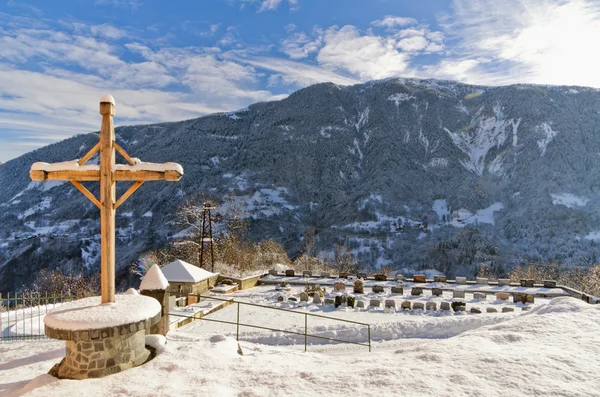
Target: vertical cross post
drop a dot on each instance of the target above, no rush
(107, 200)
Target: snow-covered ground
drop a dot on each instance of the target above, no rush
(552, 350)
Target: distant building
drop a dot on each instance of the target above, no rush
(185, 278)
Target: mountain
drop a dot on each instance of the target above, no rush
(413, 173)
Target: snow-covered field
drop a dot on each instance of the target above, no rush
(552, 350)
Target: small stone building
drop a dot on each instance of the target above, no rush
(185, 278)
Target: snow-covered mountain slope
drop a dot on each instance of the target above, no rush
(515, 167)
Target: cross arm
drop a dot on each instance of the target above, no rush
(141, 171)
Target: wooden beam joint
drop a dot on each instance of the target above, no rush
(128, 193)
(86, 193)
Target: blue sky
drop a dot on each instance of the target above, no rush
(174, 60)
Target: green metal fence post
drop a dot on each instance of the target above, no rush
(237, 337)
(305, 329)
(369, 337)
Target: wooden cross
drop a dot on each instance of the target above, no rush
(108, 173)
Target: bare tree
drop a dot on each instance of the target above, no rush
(343, 259)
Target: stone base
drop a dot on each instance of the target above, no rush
(95, 359)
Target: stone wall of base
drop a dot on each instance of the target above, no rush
(95, 359)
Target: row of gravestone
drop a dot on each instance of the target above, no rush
(390, 304)
(417, 291)
(420, 278)
(351, 301)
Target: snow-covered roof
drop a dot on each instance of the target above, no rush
(154, 280)
(182, 272)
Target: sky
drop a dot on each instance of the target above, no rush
(181, 59)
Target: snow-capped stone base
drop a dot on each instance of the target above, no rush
(102, 339)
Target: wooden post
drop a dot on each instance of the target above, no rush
(107, 200)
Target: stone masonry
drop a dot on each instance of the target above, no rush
(98, 358)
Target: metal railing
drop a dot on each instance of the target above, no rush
(238, 324)
(21, 315)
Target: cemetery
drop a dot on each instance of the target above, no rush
(221, 319)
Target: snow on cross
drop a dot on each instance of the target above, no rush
(107, 173)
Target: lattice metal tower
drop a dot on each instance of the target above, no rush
(206, 238)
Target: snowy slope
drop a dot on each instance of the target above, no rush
(554, 350)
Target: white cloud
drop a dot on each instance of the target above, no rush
(392, 22)
(368, 57)
(538, 41)
(290, 72)
(299, 45)
(108, 31)
(269, 5)
(414, 43)
(363, 55)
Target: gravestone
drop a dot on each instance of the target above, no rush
(475, 310)
(508, 309)
(529, 298)
(431, 306)
(325, 275)
(439, 279)
(360, 304)
(549, 284)
(362, 275)
(293, 299)
(338, 301)
(527, 283)
(502, 296)
(390, 303)
(436, 291)
(419, 278)
(397, 289)
(380, 277)
(518, 297)
(478, 295)
(416, 291)
(418, 306)
(304, 296)
(481, 280)
(458, 294)
(273, 272)
(343, 275)
(491, 310)
(317, 298)
(445, 306)
(359, 287)
(526, 308)
(399, 277)
(461, 280)
(378, 289)
(339, 286)
(329, 301)
(289, 273)
(405, 305)
(503, 281)
(350, 301)
(375, 303)
(306, 273)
